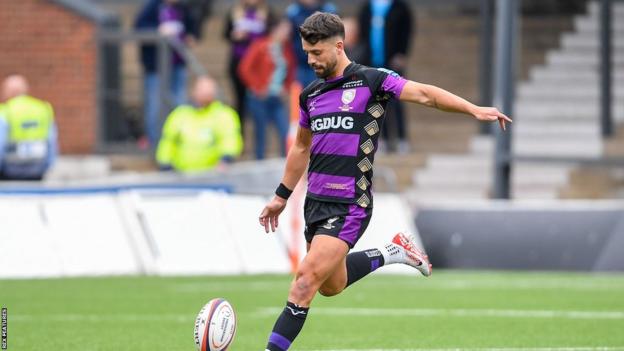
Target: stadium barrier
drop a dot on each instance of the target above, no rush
(156, 231)
(557, 235)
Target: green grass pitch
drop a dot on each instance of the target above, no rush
(451, 310)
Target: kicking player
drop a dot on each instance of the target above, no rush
(341, 114)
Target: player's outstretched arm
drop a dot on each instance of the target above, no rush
(441, 99)
(296, 163)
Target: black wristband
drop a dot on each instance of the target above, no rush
(283, 192)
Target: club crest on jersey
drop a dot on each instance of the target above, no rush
(347, 97)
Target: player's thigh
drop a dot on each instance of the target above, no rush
(325, 255)
(336, 280)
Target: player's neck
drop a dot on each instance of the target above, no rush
(340, 68)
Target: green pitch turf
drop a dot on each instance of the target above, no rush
(450, 310)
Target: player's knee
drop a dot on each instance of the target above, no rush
(305, 284)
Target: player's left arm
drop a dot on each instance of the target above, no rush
(441, 99)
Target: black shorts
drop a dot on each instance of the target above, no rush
(343, 221)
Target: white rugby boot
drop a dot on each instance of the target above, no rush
(403, 249)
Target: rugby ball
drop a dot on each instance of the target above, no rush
(215, 326)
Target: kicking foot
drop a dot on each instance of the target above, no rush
(404, 248)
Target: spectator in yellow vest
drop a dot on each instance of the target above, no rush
(200, 137)
(28, 135)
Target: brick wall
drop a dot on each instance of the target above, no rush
(55, 49)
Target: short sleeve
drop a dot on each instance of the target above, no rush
(392, 83)
(385, 82)
(304, 118)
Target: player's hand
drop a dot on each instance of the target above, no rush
(491, 114)
(271, 212)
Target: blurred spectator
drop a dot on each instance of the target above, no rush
(28, 135)
(199, 11)
(297, 12)
(386, 32)
(353, 46)
(200, 137)
(246, 22)
(267, 70)
(171, 19)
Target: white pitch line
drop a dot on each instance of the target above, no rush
(458, 313)
(597, 348)
(67, 317)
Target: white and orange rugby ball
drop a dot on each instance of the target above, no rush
(215, 326)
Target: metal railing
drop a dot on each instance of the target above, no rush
(606, 67)
(503, 156)
(109, 89)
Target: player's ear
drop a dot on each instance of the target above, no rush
(340, 46)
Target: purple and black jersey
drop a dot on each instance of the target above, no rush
(345, 116)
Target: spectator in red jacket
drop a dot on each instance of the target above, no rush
(267, 70)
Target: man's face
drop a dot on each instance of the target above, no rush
(204, 91)
(323, 56)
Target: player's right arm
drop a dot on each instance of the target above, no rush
(432, 96)
(296, 163)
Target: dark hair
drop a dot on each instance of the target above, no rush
(320, 26)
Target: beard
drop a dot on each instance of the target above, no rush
(324, 71)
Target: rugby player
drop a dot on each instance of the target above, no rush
(341, 114)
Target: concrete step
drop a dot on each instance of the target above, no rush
(591, 24)
(431, 194)
(587, 41)
(483, 163)
(557, 58)
(582, 43)
(468, 162)
(566, 76)
(549, 147)
(537, 169)
(614, 146)
(603, 184)
(520, 176)
(586, 38)
(576, 130)
(518, 119)
(482, 145)
(534, 193)
(585, 93)
(527, 109)
(587, 52)
(420, 195)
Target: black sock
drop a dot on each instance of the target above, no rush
(360, 264)
(287, 327)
